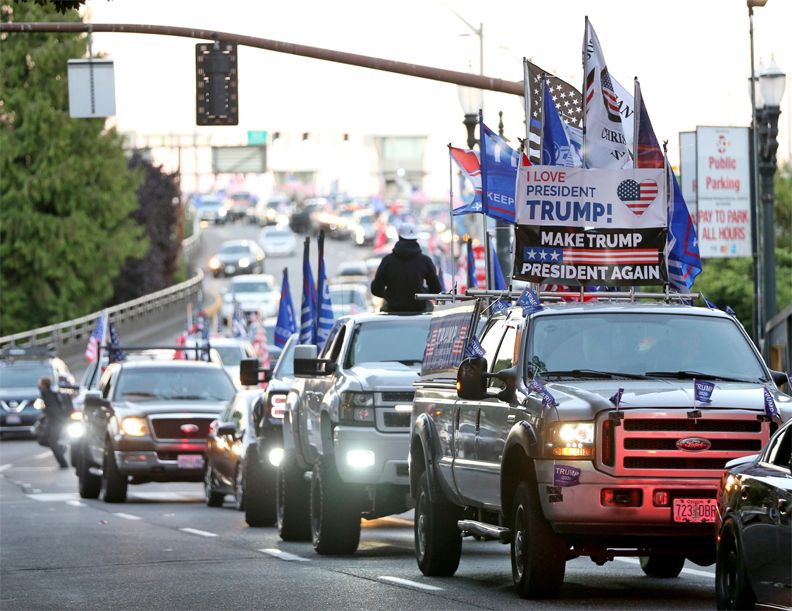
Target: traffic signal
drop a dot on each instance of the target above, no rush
(216, 84)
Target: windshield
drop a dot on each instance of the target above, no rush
(230, 355)
(23, 375)
(377, 343)
(166, 383)
(278, 234)
(251, 287)
(238, 249)
(639, 344)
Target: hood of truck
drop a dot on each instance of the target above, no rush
(149, 408)
(384, 376)
(586, 399)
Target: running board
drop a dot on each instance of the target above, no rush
(482, 529)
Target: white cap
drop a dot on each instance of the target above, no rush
(407, 231)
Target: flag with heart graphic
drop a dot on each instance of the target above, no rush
(637, 196)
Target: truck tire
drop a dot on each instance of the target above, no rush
(538, 555)
(335, 511)
(293, 502)
(438, 541)
(664, 567)
(732, 587)
(89, 485)
(212, 498)
(114, 485)
(259, 487)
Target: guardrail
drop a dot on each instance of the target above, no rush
(65, 335)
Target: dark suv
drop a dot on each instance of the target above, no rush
(20, 371)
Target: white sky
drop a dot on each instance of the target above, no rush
(691, 56)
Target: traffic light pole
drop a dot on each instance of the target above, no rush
(353, 59)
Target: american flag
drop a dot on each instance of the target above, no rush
(609, 97)
(568, 101)
(97, 336)
(637, 196)
(591, 256)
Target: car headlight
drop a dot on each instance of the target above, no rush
(222, 212)
(134, 426)
(357, 408)
(244, 262)
(75, 429)
(75, 415)
(214, 263)
(571, 440)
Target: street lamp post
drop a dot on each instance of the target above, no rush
(772, 83)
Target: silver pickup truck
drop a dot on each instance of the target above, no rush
(346, 430)
(579, 433)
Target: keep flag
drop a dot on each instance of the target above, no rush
(498, 174)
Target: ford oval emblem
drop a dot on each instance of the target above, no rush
(693, 444)
(193, 428)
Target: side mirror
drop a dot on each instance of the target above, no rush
(249, 372)
(64, 385)
(92, 396)
(229, 429)
(305, 360)
(470, 382)
(509, 379)
(779, 377)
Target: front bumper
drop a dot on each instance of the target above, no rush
(160, 466)
(389, 455)
(21, 422)
(578, 509)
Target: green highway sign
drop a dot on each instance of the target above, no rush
(257, 138)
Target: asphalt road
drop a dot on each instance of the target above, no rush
(164, 549)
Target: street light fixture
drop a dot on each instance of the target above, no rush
(471, 100)
(771, 83)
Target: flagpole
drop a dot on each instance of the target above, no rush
(527, 106)
(484, 200)
(636, 120)
(583, 146)
(319, 285)
(451, 217)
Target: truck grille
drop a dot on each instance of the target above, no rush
(397, 397)
(646, 443)
(171, 428)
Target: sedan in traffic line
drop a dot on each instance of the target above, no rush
(237, 257)
(278, 241)
(754, 556)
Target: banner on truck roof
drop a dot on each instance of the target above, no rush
(604, 199)
(585, 257)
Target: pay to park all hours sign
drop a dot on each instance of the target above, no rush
(723, 181)
(590, 227)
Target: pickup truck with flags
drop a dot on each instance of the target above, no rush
(346, 428)
(598, 428)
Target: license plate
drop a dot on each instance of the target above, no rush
(695, 510)
(13, 419)
(190, 461)
(230, 269)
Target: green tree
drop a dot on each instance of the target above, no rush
(65, 191)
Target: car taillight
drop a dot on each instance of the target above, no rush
(277, 406)
(621, 497)
(608, 454)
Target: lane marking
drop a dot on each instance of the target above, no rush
(195, 531)
(408, 582)
(684, 570)
(281, 555)
(48, 497)
(6, 466)
(126, 516)
(76, 504)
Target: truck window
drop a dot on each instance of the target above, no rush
(505, 355)
(493, 334)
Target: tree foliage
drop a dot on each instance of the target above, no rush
(158, 215)
(65, 191)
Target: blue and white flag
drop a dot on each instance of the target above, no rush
(499, 167)
(703, 391)
(116, 354)
(286, 325)
(616, 398)
(499, 305)
(771, 411)
(529, 301)
(324, 320)
(536, 385)
(557, 145)
(307, 312)
(474, 349)
(682, 251)
(238, 323)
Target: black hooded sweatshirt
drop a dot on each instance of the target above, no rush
(402, 274)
